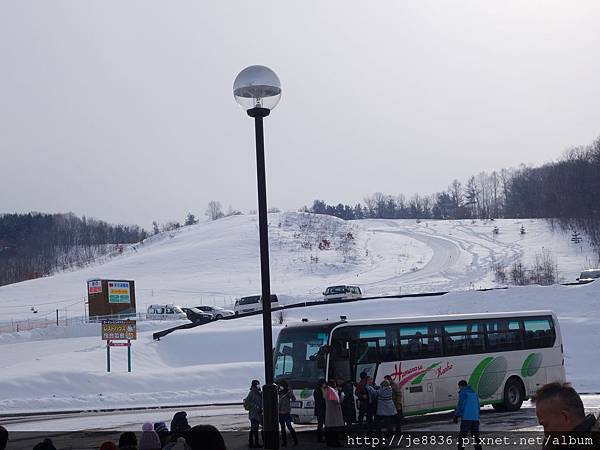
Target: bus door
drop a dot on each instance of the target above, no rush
(418, 394)
(340, 360)
(365, 357)
(420, 349)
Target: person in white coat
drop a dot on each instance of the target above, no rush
(334, 419)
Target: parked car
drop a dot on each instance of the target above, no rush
(589, 275)
(165, 312)
(217, 312)
(342, 293)
(253, 303)
(197, 316)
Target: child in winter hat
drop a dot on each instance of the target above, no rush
(149, 439)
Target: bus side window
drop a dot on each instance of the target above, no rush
(504, 335)
(539, 332)
(420, 341)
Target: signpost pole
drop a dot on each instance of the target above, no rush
(108, 356)
(128, 356)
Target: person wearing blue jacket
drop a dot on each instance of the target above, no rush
(468, 411)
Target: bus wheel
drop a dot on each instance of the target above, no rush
(513, 395)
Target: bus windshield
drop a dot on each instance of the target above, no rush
(296, 355)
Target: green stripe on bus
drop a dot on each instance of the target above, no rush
(420, 377)
(476, 375)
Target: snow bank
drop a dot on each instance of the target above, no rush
(215, 362)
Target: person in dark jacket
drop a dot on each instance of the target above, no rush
(362, 398)
(3, 437)
(318, 396)
(560, 411)
(179, 423)
(286, 396)
(253, 404)
(467, 410)
(371, 390)
(204, 437)
(128, 441)
(162, 431)
(348, 406)
(46, 444)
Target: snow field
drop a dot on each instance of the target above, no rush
(215, 362)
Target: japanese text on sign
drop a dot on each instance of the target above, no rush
(119, 329)
(94, 287)
(118, 292)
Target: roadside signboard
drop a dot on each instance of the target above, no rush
(119, 329)
(94, 287)
(118, 292)
(110, 298)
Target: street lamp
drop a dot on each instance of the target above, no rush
(257, 89)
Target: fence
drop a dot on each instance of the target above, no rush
(16, 326)
(71, 314)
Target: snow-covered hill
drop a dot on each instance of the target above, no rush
(64, 368)
(214, 262)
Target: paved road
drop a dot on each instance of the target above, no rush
(233, 422)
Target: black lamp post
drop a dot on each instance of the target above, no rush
(257, 89)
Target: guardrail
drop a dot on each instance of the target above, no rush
(159, 334)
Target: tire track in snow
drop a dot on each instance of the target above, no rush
(448, 248)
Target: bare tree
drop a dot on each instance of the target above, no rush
(214, 210)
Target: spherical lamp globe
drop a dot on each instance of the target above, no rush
(257, 87)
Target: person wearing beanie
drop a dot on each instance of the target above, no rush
(149, 439)
(162, 431)
(204, 437)
(108, 445)
(128, 441)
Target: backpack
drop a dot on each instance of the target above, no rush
(247, 405)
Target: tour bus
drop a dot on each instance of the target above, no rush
(505, 357)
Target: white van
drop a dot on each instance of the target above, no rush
(253, 303)
(165, 312)
(342, 293)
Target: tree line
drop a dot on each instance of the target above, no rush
(35, 244)
(565, 191)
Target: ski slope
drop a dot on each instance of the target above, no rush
(61, 368)
(215, 262)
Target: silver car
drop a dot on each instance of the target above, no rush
(216, 311)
